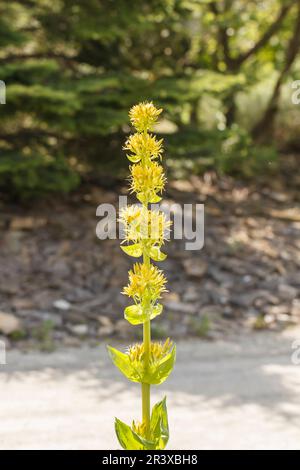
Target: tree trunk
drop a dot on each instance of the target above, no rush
(264, 129)
(234, 64)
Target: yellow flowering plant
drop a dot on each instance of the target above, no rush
(148, 363)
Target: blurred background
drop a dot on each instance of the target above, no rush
(223, 71)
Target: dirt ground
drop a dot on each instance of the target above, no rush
(233, 307)
(62, 285)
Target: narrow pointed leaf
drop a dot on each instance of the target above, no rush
(122, 362)
(156, 375)
(166, 366)
(128, 439)
(159, 424)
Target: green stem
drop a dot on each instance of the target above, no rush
(146, 407)
(146, 387)
(147, 346)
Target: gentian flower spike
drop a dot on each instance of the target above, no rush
(148, 363)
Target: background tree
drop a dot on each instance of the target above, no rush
(73, 68)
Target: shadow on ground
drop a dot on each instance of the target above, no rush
(242, 393)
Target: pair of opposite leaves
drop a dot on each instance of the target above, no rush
(156, 372)
(159, 431)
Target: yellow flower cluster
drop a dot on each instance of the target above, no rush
(158, 351)
(143, 116)
(147, 176)
(147, 181)
(140, 429)
(130, 214)
(145, 282)
(149, 363)
(143, 147)
(143, 224)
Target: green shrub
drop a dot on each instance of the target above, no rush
(230, 151)
(25, 176)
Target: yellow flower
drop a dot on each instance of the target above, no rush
(158, 227)
(140, 429)
(147, 181)
(159, 363)
(145, 281)
(157, 351)
(130, 214)
(143, 224)
(131, 217)
(143, 146)
(143, 116)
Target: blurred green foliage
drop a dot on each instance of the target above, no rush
(231, 151)
(73, 68)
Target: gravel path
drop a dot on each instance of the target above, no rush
(62, 284)
(242, 393)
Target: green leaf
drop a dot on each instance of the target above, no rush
(134, 314)
(156, 311)
(133, 250)
(128, 439)
(157, 375)
(159, 424)
(122, 362)
(159, 431)
(141, 198)
(156, 254)
(166, 366)
(133, 158)
(156, 198)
